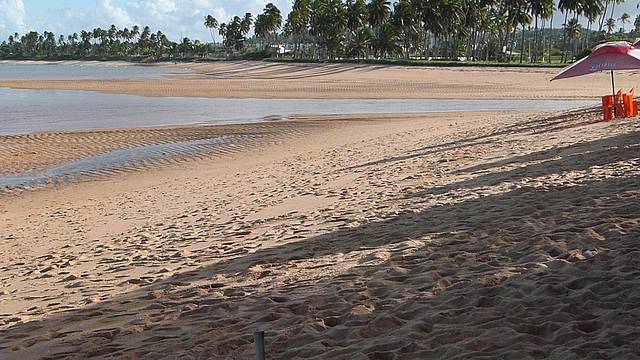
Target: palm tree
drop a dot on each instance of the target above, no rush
(73, 38)
(540, 9)
(573, 30)
(234, 33)
(624, 19)
(298, 23)
(237, 30)
(268, 23)
(112, 32)
(603, 18)
(386, 41)
(126, 34)
(613, 5)
(245, 23)
(358, 44)
(568, 6)
(135, 32)
(95, 33)
(86, 41)
(274, 18)
(404, 17)
(379, 11)
(222, 31)
(211, 23)
(357, 15)
(328, 24)
(441, 17)
(591, 10)
(356, 28)
(144, 40)
(610, 25)
(522, 18)
(261, 29)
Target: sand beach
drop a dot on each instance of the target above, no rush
(426, 236)
(253, 79)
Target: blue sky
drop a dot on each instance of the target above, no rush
(176, 18)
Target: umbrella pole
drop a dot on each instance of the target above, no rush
(613, 84)
(613, 87)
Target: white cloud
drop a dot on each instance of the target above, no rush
(220, 13)
(159, 9)
(14, 16)
(115, 14)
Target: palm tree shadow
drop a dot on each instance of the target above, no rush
(268, 71)
(578, 157)
(545, 124)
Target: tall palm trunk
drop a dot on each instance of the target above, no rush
(469, 41)
(604, 16)
(434, 50)
(534, 56)
(551, 35)
(505, 46)
(522, 45)
(484, 40)
(564, 35)
(576, 40)
(543, 39)
(502, 42)
(474, 50)
(613, 8)
(407, 43)
(512, 44)
(586, 36)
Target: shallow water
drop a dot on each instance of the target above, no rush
(118, 161)
(25, 111)
(93, 71)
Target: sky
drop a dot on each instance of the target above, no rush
(176, 18)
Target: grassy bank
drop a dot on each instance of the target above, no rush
(404, 62)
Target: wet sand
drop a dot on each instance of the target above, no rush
(435, 236)
(247, 79)
(41, 150)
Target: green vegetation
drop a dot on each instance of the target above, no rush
(416, 62)
(407, 32)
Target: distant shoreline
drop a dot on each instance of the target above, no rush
(84, 62)
(398, 62)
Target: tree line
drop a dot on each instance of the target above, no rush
(100, 43)
(488, 30)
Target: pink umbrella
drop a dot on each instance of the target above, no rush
(617, 55)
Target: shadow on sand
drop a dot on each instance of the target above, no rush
(268, 71)
(534, 272)
(549, 124)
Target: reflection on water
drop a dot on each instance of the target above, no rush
(25, 111)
